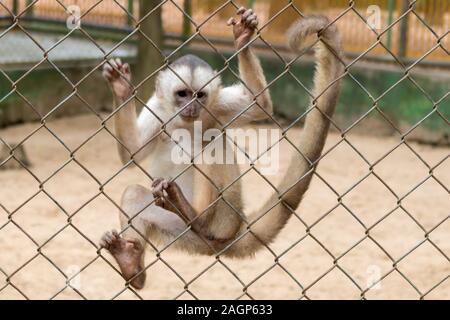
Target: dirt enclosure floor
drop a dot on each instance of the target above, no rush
(407, 244)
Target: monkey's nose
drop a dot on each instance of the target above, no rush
(191, 112)
(197, 108)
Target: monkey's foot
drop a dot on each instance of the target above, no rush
(128, 254)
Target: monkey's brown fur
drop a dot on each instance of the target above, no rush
(164, 213)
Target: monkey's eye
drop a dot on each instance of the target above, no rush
(201, 94)
(182, 93)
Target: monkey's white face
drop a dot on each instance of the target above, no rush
(187, 92)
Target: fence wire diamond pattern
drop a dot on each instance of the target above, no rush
(9, 277)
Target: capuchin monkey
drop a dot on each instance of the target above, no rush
(201, 211)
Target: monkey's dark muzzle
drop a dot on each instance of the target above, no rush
(191, 112)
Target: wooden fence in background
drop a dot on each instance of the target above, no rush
(427, 25)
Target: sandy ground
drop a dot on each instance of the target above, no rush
(334, 260)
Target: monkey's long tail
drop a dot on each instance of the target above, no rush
(266, 223)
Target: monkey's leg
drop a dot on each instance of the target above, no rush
(152, 222)
(127, 131)
(129, 249)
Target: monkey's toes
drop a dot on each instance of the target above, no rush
(160, 202)
(136, 245)
(127, 253)
(109, 239)
(156, 182)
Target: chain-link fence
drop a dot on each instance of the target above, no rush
(374, 224)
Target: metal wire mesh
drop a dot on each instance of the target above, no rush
(46, 54)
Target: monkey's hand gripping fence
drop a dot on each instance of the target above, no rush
(320, 255)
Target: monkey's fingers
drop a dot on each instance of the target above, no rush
(158, 187)
(123, 69)
(252, 21)
(107, 75)
(247, 14)
(108, 238)
(107, 66)
(126, 68)
(231, 22)
(112, 63)
(244, 16)
(107, 71)
(241, 10)
(103, 244)
(249, 19)
(111, 70)
(117, 65)
(158, 193)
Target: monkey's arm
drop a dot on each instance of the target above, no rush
(126, 129)
(245, 104)
(136, 133)
(252, 75)
(133, 133)
(252, 95)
